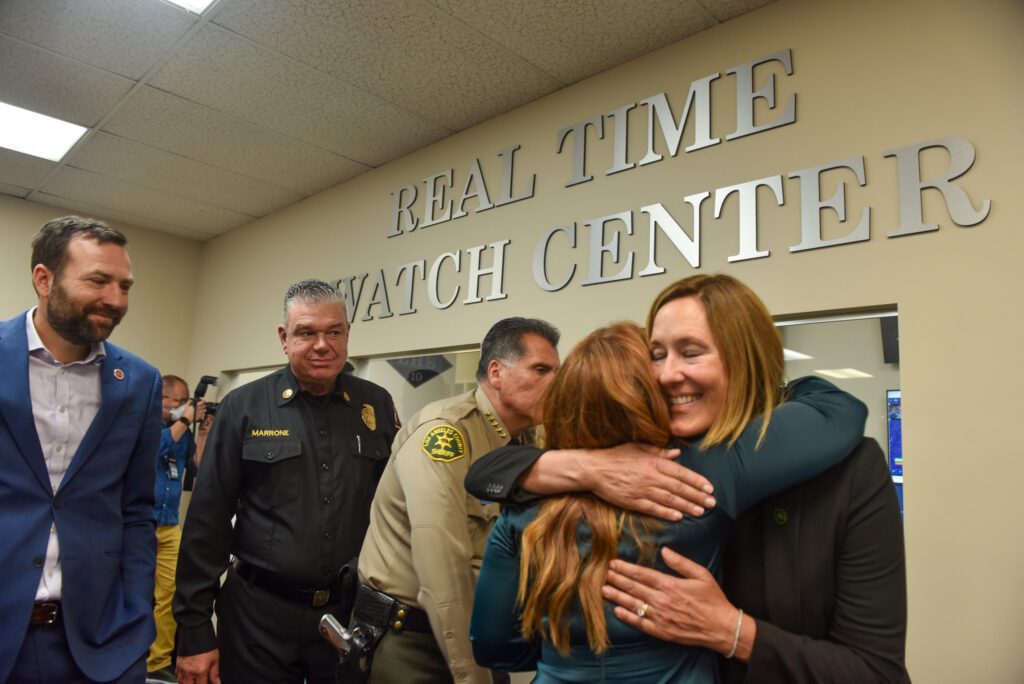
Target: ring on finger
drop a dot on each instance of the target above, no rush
(642, 610)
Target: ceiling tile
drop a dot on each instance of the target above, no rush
(159, 170)
(177, 125)
(50, 84)
(13, 190)
(724, 10)
(126, 37)
(234, 75)
(113, 194)
(113, 215)
(406, 52)
(573, 40)
(23, 169)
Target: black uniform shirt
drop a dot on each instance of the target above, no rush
(298, 472)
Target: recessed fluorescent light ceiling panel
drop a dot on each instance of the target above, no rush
(37, 134)
(790, 355)
(196, 6)
(844, 373)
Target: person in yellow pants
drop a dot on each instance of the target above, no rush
(177, 448)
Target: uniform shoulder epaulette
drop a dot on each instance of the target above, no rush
(456, 411)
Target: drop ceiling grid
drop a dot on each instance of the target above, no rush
(174, 124)
(88, 209)
(262, 102)
(155, 169)
(85, 186)
(125, 37)
(575, 40)
(230, 73)
(13, 190)
(23, 170)
(43, 81)
(406, 53)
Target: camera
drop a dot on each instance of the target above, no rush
(201, 387)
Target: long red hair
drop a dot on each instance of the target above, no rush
(604, 395)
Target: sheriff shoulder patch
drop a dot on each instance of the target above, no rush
(444, 443)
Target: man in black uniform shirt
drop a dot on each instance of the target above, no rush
(296, 457)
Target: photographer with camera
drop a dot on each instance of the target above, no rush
(179, 452)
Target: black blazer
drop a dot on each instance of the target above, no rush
(821, 568)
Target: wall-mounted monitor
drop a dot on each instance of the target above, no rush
(894, 422)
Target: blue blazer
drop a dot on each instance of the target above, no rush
(103, 511)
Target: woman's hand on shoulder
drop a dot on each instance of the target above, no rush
(646, 479)
(636, 477)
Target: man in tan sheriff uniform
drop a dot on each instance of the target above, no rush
(427, 535)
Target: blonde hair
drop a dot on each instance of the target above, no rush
(604, 395)
(749, 344)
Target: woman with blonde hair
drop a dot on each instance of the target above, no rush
(716, 389)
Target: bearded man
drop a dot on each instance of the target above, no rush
(79, 431)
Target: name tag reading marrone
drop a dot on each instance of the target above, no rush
(256, 432)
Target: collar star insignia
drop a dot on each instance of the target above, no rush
(287, 394)
(495, 424)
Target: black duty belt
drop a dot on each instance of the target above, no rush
(272, 583)
(44, 614)
(385, 612)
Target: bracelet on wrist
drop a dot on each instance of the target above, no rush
(185, 421)
(736, 636)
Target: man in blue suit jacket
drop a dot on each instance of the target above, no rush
(79, 431)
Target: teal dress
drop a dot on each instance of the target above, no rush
(815, 429)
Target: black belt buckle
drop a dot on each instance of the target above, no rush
(44, 614)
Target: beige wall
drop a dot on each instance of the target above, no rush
(159, 324)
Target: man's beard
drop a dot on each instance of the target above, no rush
(71, 321)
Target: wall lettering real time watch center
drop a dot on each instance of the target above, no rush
(476, 274)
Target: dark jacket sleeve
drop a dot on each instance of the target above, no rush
(817, 427)
(495, 477)
(866, 636)
(207, 535)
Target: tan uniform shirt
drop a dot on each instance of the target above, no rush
(427, 535)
